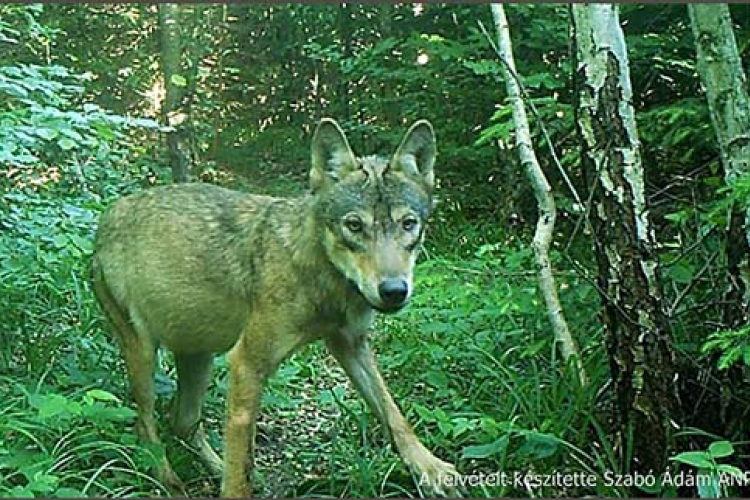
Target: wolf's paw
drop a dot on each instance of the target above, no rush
(435, 477)
(440, 479)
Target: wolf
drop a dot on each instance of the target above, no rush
(203, 270)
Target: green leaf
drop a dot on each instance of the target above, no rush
(539, 446)
(22, 492)
(83, 244)
(700, 459)
(101, 395)
(50, 405)
(66, 144)
(425, 414)
(72, 134)
(730, 357)
(483, 67)
(681, 273)
(461, 425)
(720, 449)
(436, 379)
(496, 131)
(445, 427)
(731, 470)
(678, 217)
(105, 131)
(44, 483)
(486, 450)
(332, 396)
(47, 133)
(437, 327)
(60, 240)
(67, 492)
(178, 80)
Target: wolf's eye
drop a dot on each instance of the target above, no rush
(354, 224)
(409, 224)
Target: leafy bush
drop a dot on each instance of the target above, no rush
(714, 478)
(60, 429)
(48, 139)
(68, 445)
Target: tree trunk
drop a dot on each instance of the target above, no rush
(724, 82)
(180, 87)
(720, 70)
(637, 339)
(545, 201)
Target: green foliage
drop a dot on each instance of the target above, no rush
(21, 30)
(48, 138)
(474, 355)
(732, 345)
(59, 163)
(61, 427)
(471, 361)
(713, 477)
(70, 445)
(44, 246)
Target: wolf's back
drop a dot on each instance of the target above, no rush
(184, 260)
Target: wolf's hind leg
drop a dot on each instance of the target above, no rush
(139, 353)
(140, 358)
(193, 378)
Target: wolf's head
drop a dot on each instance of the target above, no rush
(374, 210)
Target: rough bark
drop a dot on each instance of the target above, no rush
(724, 82)
(637, 339)
(179, 89)
(720, 70)
(545, 201)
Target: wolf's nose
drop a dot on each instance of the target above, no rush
(393, 291)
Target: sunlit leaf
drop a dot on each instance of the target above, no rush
(178, 80)
(66, 144)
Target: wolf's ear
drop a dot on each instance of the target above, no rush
(416, 154)
(332, 158)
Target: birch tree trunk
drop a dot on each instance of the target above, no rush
(545, 202)
(180, 88)
(638, 343)
(724, 82)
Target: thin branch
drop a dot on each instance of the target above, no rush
(693, 282)
(545, 201)
(536, 114)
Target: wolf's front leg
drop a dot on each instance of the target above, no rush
(243, 403)
(353, 351)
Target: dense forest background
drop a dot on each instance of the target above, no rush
(84, 105)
